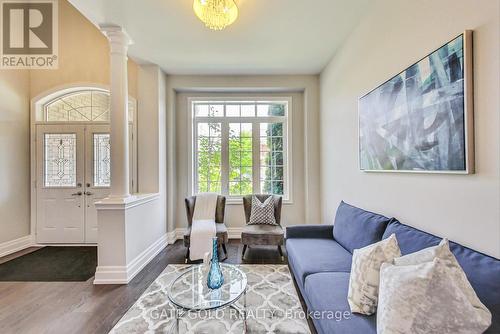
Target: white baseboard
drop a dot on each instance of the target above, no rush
(179, 233)
(171, 237)
(111, 275)
(16, 245)
(234, 232)
(124, 274)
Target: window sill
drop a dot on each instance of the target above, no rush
(239, 201)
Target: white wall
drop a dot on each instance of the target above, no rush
(152, 126)
(391, 37)
(305, 103)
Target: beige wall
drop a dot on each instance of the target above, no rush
(14, 148)
(305, 101)
(393, 36)
(83, 58)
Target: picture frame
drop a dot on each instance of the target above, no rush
(406, 128)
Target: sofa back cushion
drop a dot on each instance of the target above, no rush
(482, 271)
(356, 228)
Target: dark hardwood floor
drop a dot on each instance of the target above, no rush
(81, 307)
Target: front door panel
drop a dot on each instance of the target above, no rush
(97, 175)
(60, 169)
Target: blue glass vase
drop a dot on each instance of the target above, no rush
(215, 278)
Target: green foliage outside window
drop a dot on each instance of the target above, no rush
(240, 146)
(209, 161)
(240, 162)
(272, 173)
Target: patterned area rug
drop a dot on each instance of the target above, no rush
(272, 307)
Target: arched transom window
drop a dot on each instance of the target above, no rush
(82, 106)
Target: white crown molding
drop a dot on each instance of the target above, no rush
(16, 245)
(124, 274)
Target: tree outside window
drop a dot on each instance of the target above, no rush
(245, 130)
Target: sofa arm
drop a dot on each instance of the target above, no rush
(310, 231)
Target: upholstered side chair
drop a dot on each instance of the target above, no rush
(221, 229)
(262, 234)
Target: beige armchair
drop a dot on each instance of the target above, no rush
(263, 235)
(221, 229)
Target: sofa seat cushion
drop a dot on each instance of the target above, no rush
(481, 270)
(261, 234)
(356, 228)
(309, 256)
(327, 296)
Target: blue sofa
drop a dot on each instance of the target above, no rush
(320, 258)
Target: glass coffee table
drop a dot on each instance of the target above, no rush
(189, 292)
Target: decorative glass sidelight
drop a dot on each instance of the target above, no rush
(102, 160)
(59, 160)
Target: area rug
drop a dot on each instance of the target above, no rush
(52, 264)
(272, 307)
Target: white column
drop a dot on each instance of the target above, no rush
(118, 42)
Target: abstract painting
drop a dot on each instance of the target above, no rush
(421, 119)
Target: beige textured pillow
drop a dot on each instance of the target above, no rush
(365, 273)
(443, 252)
(425, 298)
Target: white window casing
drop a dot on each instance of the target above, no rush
(220, 115)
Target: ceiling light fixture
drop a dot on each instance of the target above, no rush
(216, 14)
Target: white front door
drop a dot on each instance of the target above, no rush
(73, 172)
(60, 177)
(73, 164)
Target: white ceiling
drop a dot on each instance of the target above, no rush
(269, 37)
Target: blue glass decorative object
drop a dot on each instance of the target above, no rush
(215, 278)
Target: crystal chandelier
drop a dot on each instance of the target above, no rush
(216, 14)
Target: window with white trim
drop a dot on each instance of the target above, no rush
(240, 147)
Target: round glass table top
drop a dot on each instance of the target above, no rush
(190, 290)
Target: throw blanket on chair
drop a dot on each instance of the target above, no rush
(203, 226)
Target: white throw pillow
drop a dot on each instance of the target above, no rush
(365, 274)
(443, 252)
(424, 298)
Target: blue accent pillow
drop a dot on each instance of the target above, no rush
(356, 228)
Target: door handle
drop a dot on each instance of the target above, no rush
(88, 193)
(77, 194)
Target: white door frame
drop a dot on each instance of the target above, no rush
(37, 117)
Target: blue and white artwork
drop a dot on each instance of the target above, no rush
(416, 120)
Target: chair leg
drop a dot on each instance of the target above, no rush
(281, 253)
(223, 246)
(243, 253)
(187, 256)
